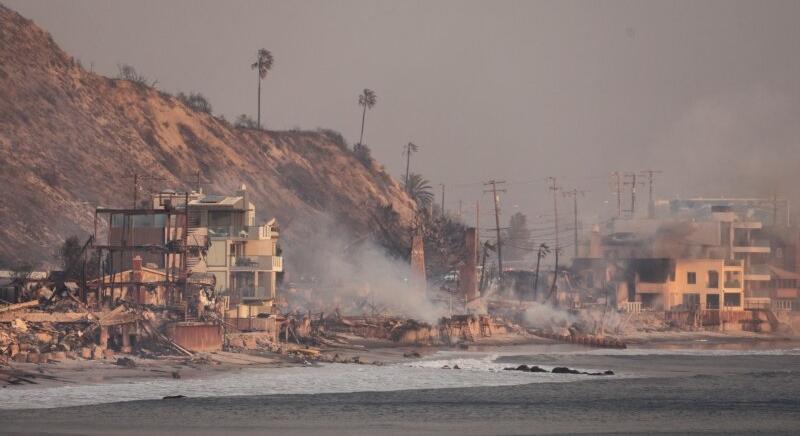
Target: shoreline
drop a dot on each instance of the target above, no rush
(362, 351)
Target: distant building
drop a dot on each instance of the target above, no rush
(242, 255)
(190, 242)
(688, 284)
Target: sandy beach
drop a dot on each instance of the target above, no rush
(713, 385)
(361, 351)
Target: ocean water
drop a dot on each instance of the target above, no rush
(671, 389)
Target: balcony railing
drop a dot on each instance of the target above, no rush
(268, 263)
(733, 284)
(224, 231)
(759, 269)
(632, 306)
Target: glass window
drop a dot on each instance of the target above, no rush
(691, 278)
(713, 279)
(219, 223)
(733, 300)
(691, 300)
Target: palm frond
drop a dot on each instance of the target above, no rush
(419, 190)
(263, 63)
(367, 98)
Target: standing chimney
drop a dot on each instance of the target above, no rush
(137, 277)
(418, 259)
(467, 274)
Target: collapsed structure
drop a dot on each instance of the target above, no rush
(177, 272)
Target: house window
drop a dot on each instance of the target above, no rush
(691, 278)
(691, 300)
(713, 279)
(733, 300)
(712, 301)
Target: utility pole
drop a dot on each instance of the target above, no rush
(774, 209)
(651, 206)
(136, 180)
(494, 192)
(574, 194)
(555, 189)
(618, 176)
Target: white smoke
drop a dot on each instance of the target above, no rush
(545, 316)
(357, 276)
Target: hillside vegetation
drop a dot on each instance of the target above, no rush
(71, 140)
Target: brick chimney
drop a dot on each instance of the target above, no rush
(467, 275)
(137, 269)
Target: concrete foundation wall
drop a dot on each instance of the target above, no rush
(196, 336)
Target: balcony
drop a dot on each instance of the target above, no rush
(733, 284)
(758, 273)
(260, 263)
(755, 246)
(226, 232)
(747, 224)
(733, 262)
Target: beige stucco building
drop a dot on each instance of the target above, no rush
(242, 255)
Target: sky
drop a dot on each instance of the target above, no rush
(707, 92)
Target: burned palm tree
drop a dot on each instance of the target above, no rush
(407, 150)
(367, 100)
(419, 190)
(262, 65)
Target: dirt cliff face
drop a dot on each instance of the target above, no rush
(71, 140)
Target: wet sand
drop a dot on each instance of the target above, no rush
(707, 391)
(367, 351)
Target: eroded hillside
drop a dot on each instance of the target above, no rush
(71, 140)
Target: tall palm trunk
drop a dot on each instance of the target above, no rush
(259, 99)
(408, 164)
(363, 118)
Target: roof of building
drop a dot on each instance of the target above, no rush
(783, 274)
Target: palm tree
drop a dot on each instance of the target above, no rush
(419, 190)
(367, 100)
(262, 65)
(407, 150)
(544, 250)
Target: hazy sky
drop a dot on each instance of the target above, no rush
(706, 91)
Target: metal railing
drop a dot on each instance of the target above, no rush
(269, 263)
(632, 306)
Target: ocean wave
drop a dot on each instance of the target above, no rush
(325, 378)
